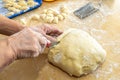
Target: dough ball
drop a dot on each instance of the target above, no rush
(55, 20)
(24, 7)
(13, 9)
(60, 17)
(64, 9)
(50, 15)
(45, 11)
(43, 16)
(77, 53)
(7, 5)
(35, 17)
(31, 3)
(64, 15)
(49, 11)
(48, 19)
(22, 3)
(23, 21)
(9, 14)
(15, 5)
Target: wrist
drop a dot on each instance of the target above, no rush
(7, 55)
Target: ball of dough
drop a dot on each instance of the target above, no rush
(64, 15)
(35, 17)
(43, 16)
(64, 9)
(60, 17)
(55, 20)
(9, 14)
(77, 53)
(48, 19)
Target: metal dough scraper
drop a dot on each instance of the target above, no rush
(86, 10)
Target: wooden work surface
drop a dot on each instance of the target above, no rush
(104, 26)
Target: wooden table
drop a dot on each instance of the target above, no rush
(104, 26)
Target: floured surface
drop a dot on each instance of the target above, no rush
(104, 26)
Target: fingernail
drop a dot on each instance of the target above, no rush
(48, 43)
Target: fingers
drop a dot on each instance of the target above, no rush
(49, 30)
(43, 41)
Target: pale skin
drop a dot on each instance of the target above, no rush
(23, 42)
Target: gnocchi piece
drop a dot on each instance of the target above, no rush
(23, 21)
(55, 20)
(43, 16)
(45, 11)
(22, 3)
(56, 13)
(64, 15)
(8, 1)
(50, 15)
(9, 14)
(16, 6)
(35, 17)
(31, 3)
(50, 11)
(60, 17)
(13, 9)
(30, 0)
(24, 7)
(48, 19)
(7, 5)
(64, 9)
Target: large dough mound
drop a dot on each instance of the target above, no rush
(77, 53)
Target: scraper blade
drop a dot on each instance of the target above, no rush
(86, 10)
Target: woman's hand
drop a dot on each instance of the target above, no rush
(30, 42)
(48, 31)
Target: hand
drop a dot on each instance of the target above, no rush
(27, 43)
(31, 41)
(48, 31)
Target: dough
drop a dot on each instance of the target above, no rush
(53, 16)
(9, 14)
(31, 3)
(64, 9)
(13, 9)
(60, 17)
(77, 53)
(55, 20)
(35, 17)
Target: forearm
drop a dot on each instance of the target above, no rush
(8, 26)
(6, 54)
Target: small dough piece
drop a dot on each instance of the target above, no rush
(64, 15)
(24, 8)
(55, 20)
(77, 53)
(8, 1)
(15, 5)
(45, 11)
(35, 17)
(56, 13)
(50, 15)
(7, 5)
(48, 19)
(23, 21)
(22, 3)
(9, 14)
(43, 16)
(13, 9)
(60, 17)
(64, 9)
(31, 3)
(49, 11)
